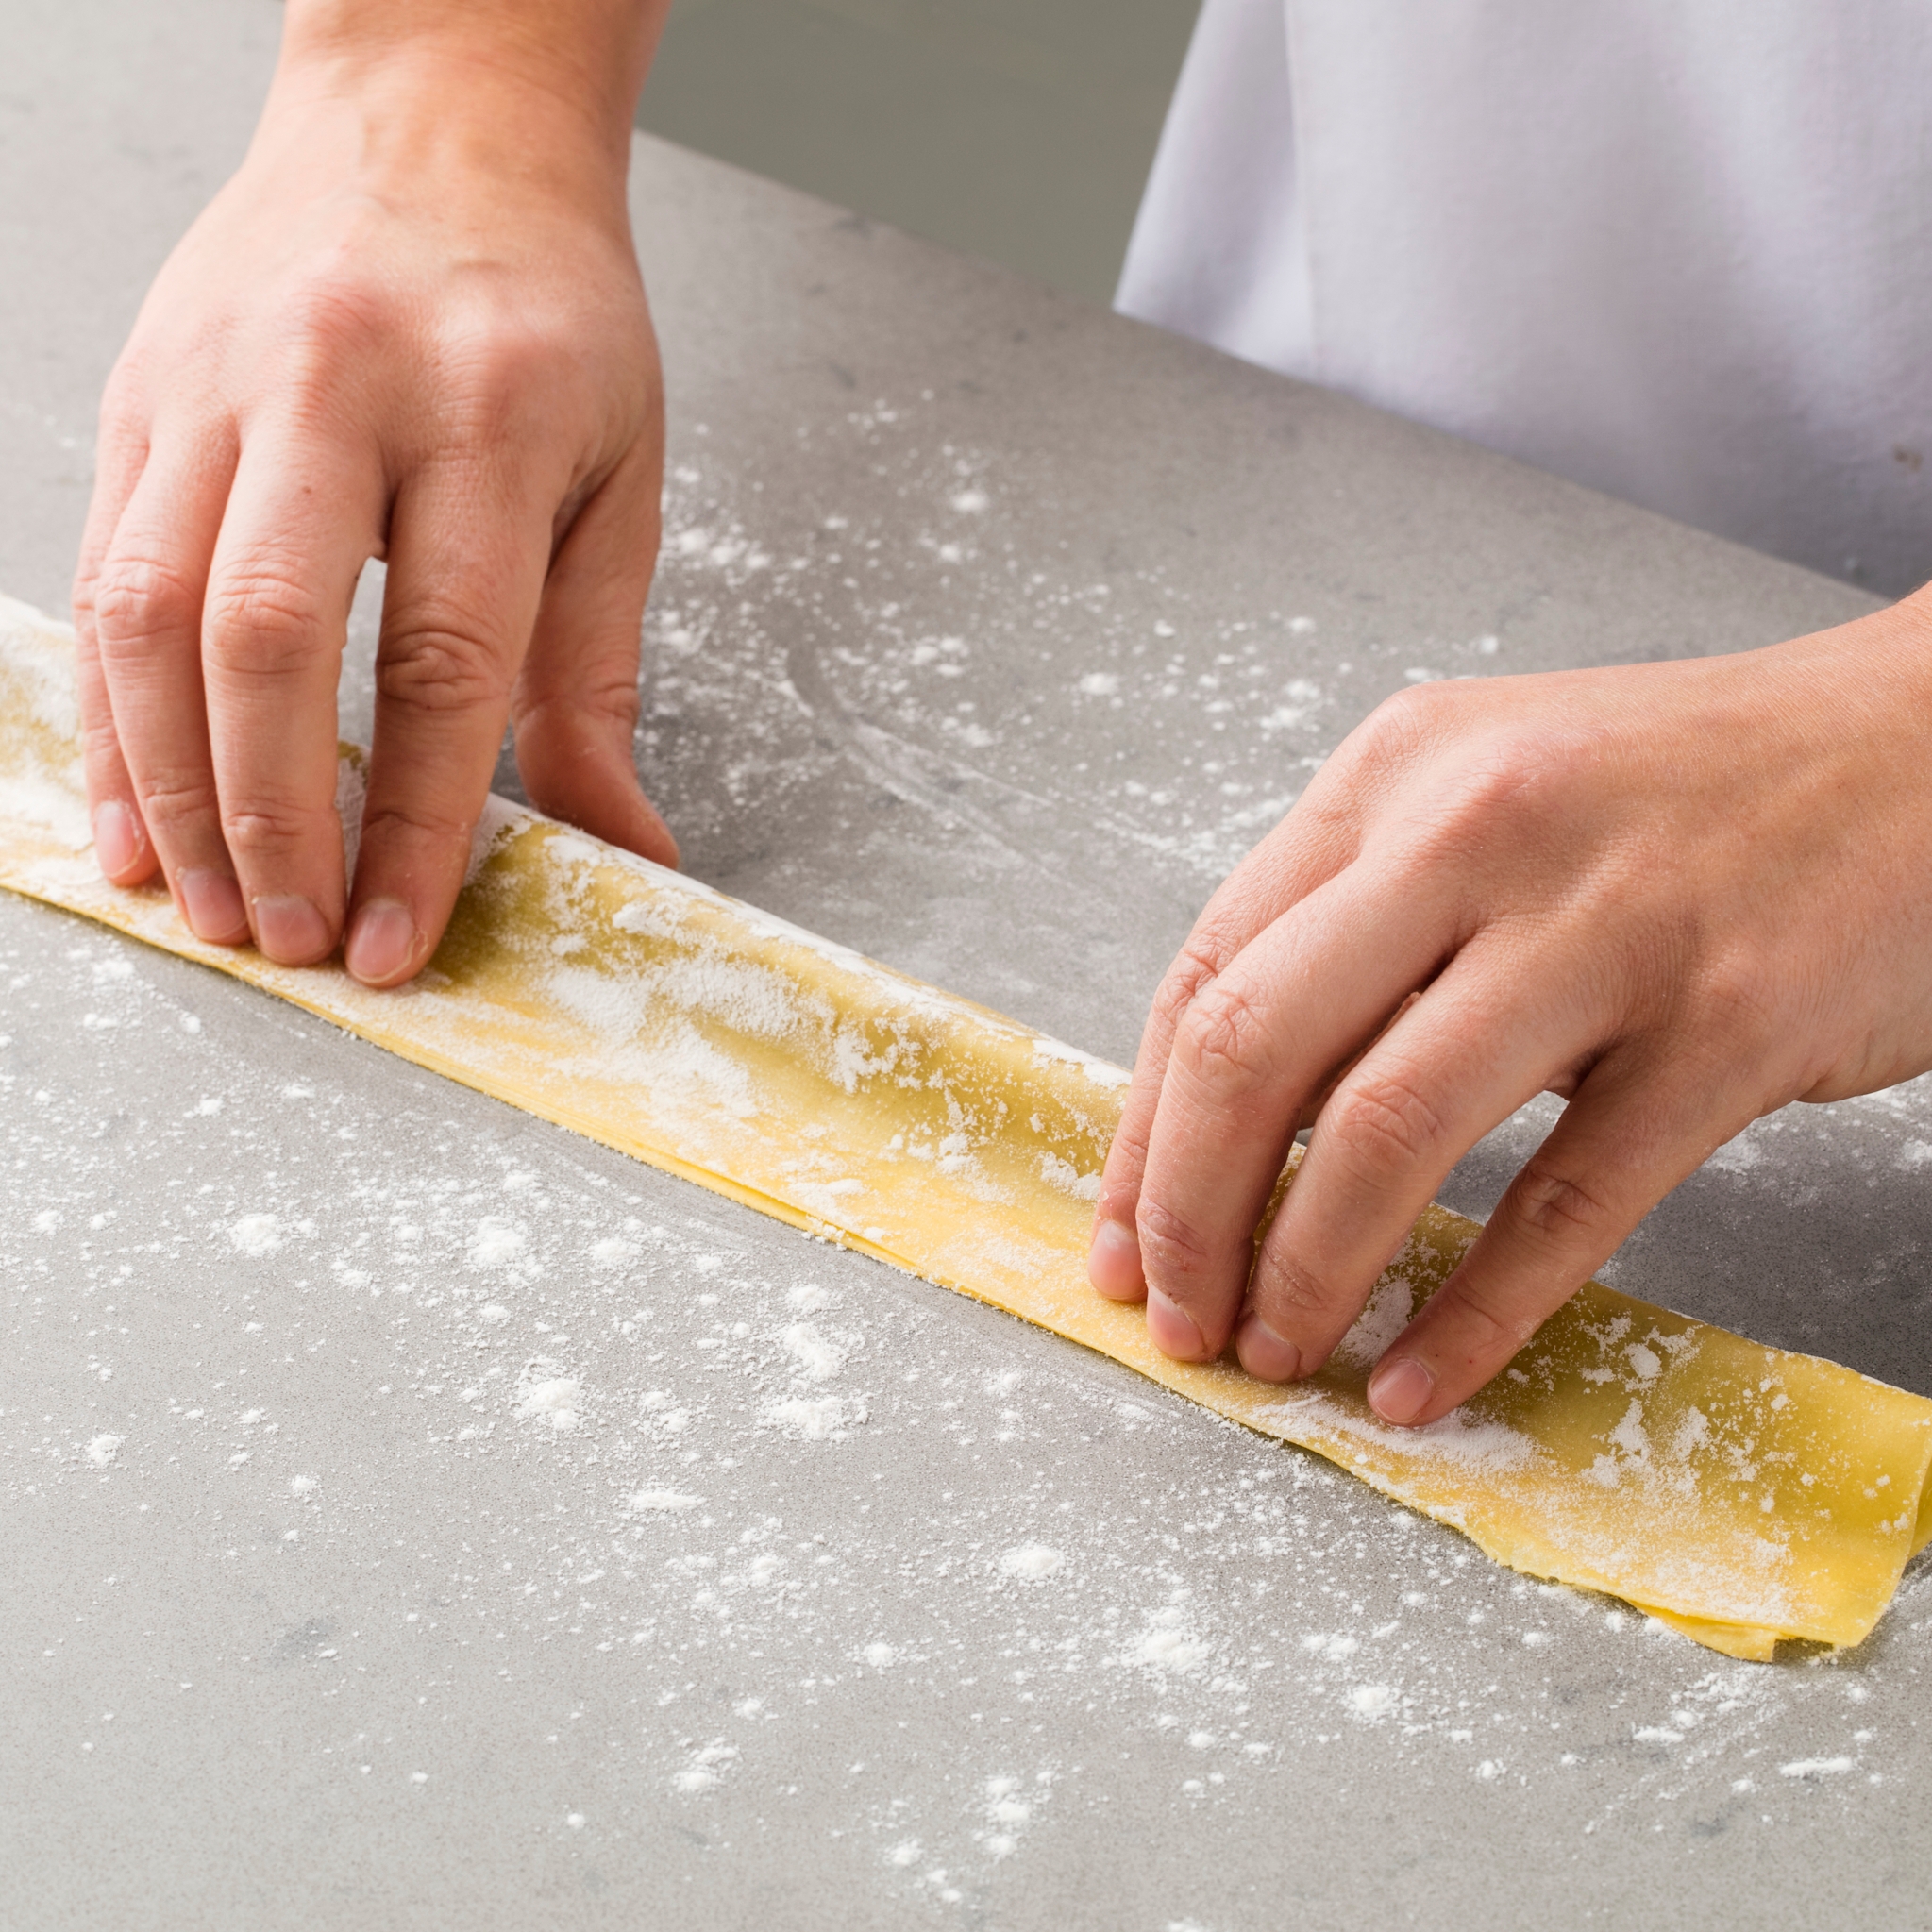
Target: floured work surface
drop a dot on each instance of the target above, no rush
(1741, 1494)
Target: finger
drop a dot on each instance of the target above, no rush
(574, 706)
(468, 550)
(303, 517)
(148, 597)
(1249, 1049)
(1638, 1125)
(1469, 1052)
(123, 848)
(1302, 852)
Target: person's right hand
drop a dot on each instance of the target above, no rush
(411, 326)
(1681, 894)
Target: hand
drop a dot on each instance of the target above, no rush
(1680, 895)
(411, 326)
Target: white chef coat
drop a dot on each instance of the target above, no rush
(1680, 251)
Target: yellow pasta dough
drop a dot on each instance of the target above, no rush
(1740, 1493)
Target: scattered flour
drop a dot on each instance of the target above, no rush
(818, 1418)
(704, 1771)
(1167, 1645)
(816, 1358)
(1387, 1315)
(496, 1242)
(554, 1399)
(1064, 1175)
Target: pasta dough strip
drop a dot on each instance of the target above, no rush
(1740, 1493)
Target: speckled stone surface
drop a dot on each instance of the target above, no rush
(990, 630)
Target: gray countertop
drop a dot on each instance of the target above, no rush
(991, 630)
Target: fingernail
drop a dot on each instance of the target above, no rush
(1173, 1333)
(289, 929)
(382, 940)
(1264, 1353)
(1399, 1390)
(1112, 1261)
(213, 901)
(117, 838)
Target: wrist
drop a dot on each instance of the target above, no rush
(538, 87)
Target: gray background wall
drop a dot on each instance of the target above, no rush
(1019, 130)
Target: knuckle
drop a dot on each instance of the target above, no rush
(1547, 1202)
(1224, 1037)
(1736, 998)
(1197, 966)
(438, 661)
(416, 825)
(1490, 1329)
(501, 377)
(613, 701)
(1294, 1298)
(1177, 1249)
(1508, 774)
(260, 621)
(334, 312)
(173, 802)
(1409, 720)
(265, 830)
(509, 357)
(1383, 1120)
(100, 743)
(135, 601)
(606, 704)
(1511, 789)
(126, 394)
(1120, 1197)
(513, 363)
(1417, 708)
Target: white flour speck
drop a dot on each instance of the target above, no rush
(705, 1770)
(1030, 1562)
(256, 1234)
(816, 1356)
(818, 1418)
(496, 1242)
(557, 1398)
(1064, 1175)
(664, 1499)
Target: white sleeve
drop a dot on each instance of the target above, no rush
(1217, 249)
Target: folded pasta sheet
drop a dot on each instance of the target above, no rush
(1738, 1492)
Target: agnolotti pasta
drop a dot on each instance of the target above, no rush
(1740, 1493)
